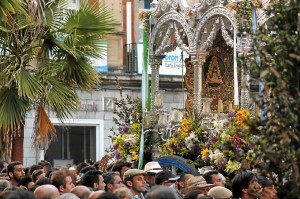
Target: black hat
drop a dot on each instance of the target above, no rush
(165, 175)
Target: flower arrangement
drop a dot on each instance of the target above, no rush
(228, 147)
(126, 138)
(186, 141)
(126, 144)
(231, 148)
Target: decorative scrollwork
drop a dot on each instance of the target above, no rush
(165, 42)
(210, 38)
(225, 35)
(167, 18)
(179, 41)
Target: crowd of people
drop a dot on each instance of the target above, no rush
(89, 180)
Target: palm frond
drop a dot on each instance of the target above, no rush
(61, 98)
(28, 85)
(80, 72)
(12, 109)
(44, 129)
(55, 15)
(96, 18)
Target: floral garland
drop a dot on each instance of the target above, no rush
(244, 11)
(145, 17)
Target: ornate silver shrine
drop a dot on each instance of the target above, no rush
(207, 30)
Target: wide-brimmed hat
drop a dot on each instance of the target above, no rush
(152, 167)
(162, 176)
(197, 182)
(219, 192)
(131, 173)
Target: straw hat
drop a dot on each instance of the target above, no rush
(219, 192)
(152, 167)
(197, 182)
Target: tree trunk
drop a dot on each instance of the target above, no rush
(17, 146)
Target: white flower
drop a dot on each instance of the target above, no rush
(130, 139)
(129, 158)
(189, 146)
(191, 140)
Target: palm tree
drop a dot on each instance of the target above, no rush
(43, 61)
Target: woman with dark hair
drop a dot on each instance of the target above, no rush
(269, 189)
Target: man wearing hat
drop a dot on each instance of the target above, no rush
(167, 178)
(198, 182)
(220, 192)
(151, 169)
(134, 180)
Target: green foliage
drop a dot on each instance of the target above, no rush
(279, 52)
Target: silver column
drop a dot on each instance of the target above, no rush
(156, 62)
(198, 59)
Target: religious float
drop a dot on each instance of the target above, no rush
(212, 128)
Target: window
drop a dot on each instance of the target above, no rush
(73, 142)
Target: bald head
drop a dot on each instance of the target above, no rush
(81, 191)
(96, 194)
(46, 191)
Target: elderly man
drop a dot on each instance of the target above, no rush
(134, 180)
(46, 191)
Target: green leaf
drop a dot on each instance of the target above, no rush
(264, 73)
(61, 98)
(12, 109)
(28, 85)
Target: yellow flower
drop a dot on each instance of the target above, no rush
(134, 155)
(224, 137)
(204, 153)
(242, 116)
(233, 166)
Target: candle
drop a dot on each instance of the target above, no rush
(158, 101)
(174, 117)
(162, 120)
(220, 106)
(229, 106)
(147, 121)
